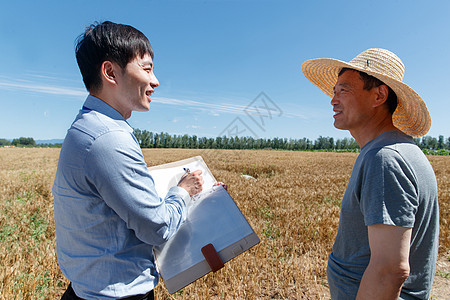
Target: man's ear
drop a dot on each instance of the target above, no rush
(108, 72)
(382, 92)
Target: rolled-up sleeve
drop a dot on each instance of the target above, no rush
(116, 169)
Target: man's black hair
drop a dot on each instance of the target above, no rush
(108, 41)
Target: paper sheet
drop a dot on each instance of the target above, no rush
(212, 218)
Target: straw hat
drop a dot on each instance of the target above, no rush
(411, 115)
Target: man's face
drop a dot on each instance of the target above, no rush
(137, 82)
(351, 103)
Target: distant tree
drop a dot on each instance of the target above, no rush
(146, 139)
(224, 142)
(143, 137)
(194, 142)
(441, 142)
(219, 144)
(348, 144)
(429, 142)
(24, 141)
(331, 143)
(4, 142)
(418, 142)
(324, 143)
(156, 140)
(185, 141)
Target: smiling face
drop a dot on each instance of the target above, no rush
(136, 83)
(352, 104)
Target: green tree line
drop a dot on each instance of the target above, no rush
(25, 142)
(148, 139)
(22, 141)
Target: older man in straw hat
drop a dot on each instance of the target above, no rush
(387, 241)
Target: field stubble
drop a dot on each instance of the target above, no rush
(293, 206)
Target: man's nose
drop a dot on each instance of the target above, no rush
(334, 100)
(154, 81)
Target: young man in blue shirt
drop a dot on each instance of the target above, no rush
(108, 214)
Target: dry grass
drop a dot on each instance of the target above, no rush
(293, 207)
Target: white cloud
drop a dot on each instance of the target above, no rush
(214, 109)
(41, 88)
(193, 126)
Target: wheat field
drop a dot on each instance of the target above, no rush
(293, 206)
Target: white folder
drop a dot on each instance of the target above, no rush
(212, 218)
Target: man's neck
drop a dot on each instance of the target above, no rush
(373, 130)
(109, 99)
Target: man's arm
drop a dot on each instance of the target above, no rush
(389, 262)
(116, 168)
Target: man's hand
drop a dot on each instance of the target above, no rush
(222, 184)
(192, 182)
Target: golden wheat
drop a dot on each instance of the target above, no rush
(293, 206)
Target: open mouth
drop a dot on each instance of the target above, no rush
(148, 93)
(336, 111)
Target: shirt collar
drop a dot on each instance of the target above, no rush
(98, 105)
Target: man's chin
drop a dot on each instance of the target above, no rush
(143, 108)
(339, 126)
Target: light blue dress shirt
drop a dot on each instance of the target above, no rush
(107, 211)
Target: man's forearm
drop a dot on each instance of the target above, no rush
(377, 284)
(389, 262)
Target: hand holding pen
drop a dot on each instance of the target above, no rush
(191, 182)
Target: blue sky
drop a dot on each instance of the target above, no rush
(219, 62)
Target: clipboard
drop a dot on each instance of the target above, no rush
(215, 230)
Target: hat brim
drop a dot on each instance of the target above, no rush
(411, 116)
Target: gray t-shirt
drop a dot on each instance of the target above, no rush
(392, 183)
